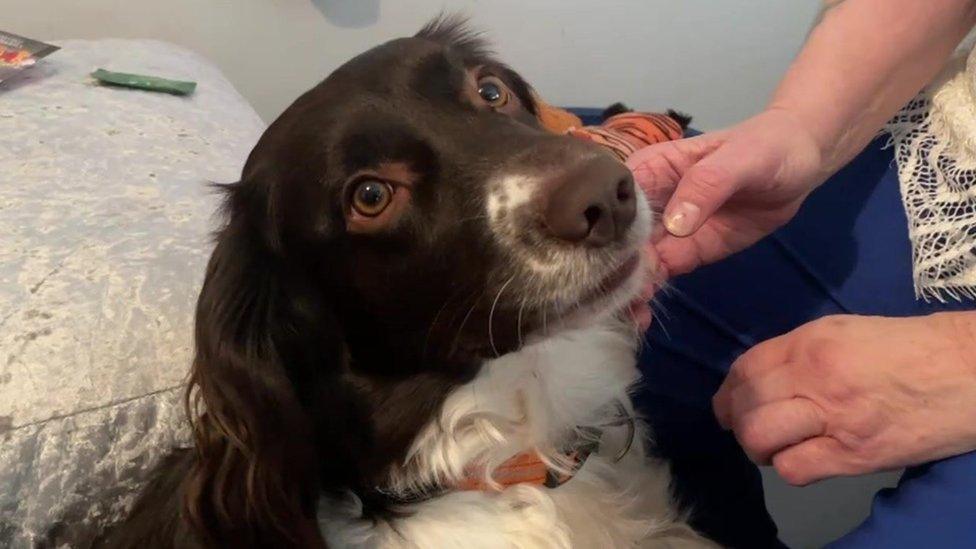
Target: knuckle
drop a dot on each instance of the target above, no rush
(721, 401)
(699, 146)
(739, 372)
(752, 361)
(791, 471)
(644, 159)
(751, 441)
(752, 436)
(828, 324)
(708, 178)
(861, 449)
(755, 355)
(824, 357)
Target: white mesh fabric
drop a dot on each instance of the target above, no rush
(934, 140)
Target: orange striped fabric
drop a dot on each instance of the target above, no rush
(622, 134)
(627, 132)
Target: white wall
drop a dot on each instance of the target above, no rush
(717, 60)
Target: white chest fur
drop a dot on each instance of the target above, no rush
(530, 400)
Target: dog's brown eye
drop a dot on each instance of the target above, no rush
(493, 91)
(371, 197)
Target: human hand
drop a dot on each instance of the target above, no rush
(848, 395)
(726, 190)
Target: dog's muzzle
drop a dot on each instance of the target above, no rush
(592, 204)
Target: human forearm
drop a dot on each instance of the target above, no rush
(727, 189)
(864, 61)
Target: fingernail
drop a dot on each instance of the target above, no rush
(681, 220)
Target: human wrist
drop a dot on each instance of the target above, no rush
(852, 74)
(960, 328)
(806, 147)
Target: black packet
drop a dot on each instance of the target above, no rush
(18, 53)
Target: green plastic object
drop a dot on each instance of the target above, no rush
(143, 82)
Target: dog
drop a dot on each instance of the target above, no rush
(412, 333)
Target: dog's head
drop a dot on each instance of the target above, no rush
(400, 223)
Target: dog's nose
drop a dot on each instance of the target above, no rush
(593, 204)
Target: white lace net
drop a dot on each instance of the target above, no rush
(934, 140)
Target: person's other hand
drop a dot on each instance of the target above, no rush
(847, 395)
(727, 189)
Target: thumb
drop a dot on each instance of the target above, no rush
(703, 189)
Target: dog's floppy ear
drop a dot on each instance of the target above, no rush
(254, 480)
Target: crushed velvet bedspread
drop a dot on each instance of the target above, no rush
(105, 221)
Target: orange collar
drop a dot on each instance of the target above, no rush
(522, 468)
(529, 467)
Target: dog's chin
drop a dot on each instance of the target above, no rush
(608, 297)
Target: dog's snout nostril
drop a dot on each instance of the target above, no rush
(592, 204)
(592, 215)
(625, 189)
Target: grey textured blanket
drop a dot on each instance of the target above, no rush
(105, 217)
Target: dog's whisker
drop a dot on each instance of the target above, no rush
(457, 335)
(491, 315)
(433, 323)
(545, 321)
(657, 306)
(472, 218)
(518, 329)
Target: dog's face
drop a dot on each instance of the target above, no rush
(418, 176)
